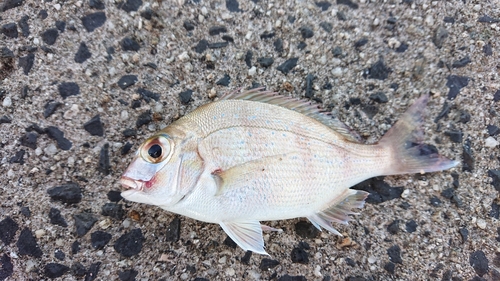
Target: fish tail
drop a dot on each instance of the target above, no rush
(408, 153)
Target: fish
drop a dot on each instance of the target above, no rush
(255, 155)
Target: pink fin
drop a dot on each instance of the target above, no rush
(405, 140)
(247, 234)
(339, 212)
(307, 108)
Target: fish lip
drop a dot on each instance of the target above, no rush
(129, 183)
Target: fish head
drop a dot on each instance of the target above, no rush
(155, 174)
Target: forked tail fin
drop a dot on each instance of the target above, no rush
(408, 153)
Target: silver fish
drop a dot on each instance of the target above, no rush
(257, 156)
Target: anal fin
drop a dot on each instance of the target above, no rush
(246, 234)
(339, 212)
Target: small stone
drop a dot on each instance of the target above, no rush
(91, 274)
(83, 53)
(6, 266)
(411, 226)
(126, 148)
(440, 34)
(83, 223)
(324, 5)
(252, 71)
(493, 130)
(218, 45)
(435, 201)
(56, 217)
(298, 255)
(96, 4)
(50, 35)
(455, 135)
(248, 58)
(127, 81)
(173, 233)
(326, 26)
(129, 133)
(130, 5)
(481, 223)
(495, 178)
(113, 210)
(27, 245)
(377, 71)
(456, 83)
(69, 193)
(67, 89)
(393, 227)
(130, 244)
(104, 165)
(99, 239)
(361, 42)
(129, 44)
(246, 258)
(94, 126)
(287, 277)
(78, 270)
(10, 4)
(54, 270)
(8, 229)
(144, 119)
(278, 45)
(370, 110)
(309, 85)
(185, 96)
(288, 65)
(224, 81)
(348, 3)
(306, 32)
(467, 157)
(128, 275)
(265, 62)
(306, 230)
(479, 262)
(188, 25)
(394, 253)
(58, 254)
(230, 243)
(390, 267)
(464, 233)
(93, 21)
(50, 107)
(29, 140)
(266, 264)
(379, 97)
(25, 211)
(267, 35)
(490, 142)
(461, 63)
(201, 46)
(9, 30)
(26, 63)
(233, 6)
(216, 30)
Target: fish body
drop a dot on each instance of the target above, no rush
(256, 156)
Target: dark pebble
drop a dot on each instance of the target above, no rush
(56, 217)
(456, 83)
(278, 45)
(91, 274)
(455, 136)
(128, 275)
(113, 210)
(5, 119)
(94, 126)
(129, 44)
(230, 243)
(36, 128)
(10, 30)
(104, 165)
(467, 157)
(337, 52)
(298, 255)
(248, 58)
(379, 190)
(29, 140)
(114, 196)
(75, 247)
(143, 119)
(96, 4)
(10, 4)
(67, 89)
(50, 107)
(402, 48)
(227, 38)
(26, 63)
(287, 277)
(461, 63)
(394, 253)
(341, 15)
(487, 50)
(306, 230)
(435, 202)
(93, 21)
(130, 5)
(464, 233)
(216, 30)
(60, 25)
(127, 81)
(493, 130)
(6, 53)
(126, 148)
(151, 65)
(25, 211)
(201, 46)
(54, 270)
(377, 71)
(309, 85)
(306, 32)
(43, 14)
(233, 6)
(479, 262)
(302, 45)
(173, 233)
(27, 245)
(496, 96)
(148, 95)
(18, 157)
(130, 244)
(266, 264)
(83, 223)
(50, 35)
(57, 135)
(267, 35)
(188, 25)
(361, 42)
(185, 96)
(224, 81)
(411, 226)
(24, 92)
(78, 270)
(487, 19)
(8, 229)
(393, 227)
(83, 53)
(99, 239)
(444, 112)
(288, 65)
(58, 254)
(379, 97)
(495, 178)
(449, 19)
(6, 267)
(265, 62)
(69, 193)
(218, 45)
(135, 104)
(326, 26)
(439, 35)
(348, 3)
(24, 26)
(370, 110)
(129, 133)
(324, 5)
(390, 267)
(246, 258)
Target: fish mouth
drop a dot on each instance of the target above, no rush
(128, 183)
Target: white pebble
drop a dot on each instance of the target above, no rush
(393, 43)
(230, 271)
(57, 6)
(254, 274)
(36, 41)
(30, 265)
(50, 150)
(337, 71)
(126, 223)
(223, 260)
(490, 142)
(10, 173)
(372, 259)
(429, 20)
(184, 276)
(481, 223)
(184, 56)
(317, 271)
(7, 102)
(477, 7)
(249, 35)
(72, 112)
(252, 71)
(39, 233)
(204, 11)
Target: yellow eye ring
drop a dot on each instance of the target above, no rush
(156, 149)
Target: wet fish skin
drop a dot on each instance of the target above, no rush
(256, 156)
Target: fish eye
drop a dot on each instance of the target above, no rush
(156, 149)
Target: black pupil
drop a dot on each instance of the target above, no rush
(154, 151)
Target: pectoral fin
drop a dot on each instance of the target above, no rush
(247, 234)
(339, 212)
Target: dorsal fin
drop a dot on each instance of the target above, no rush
(302, 106)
